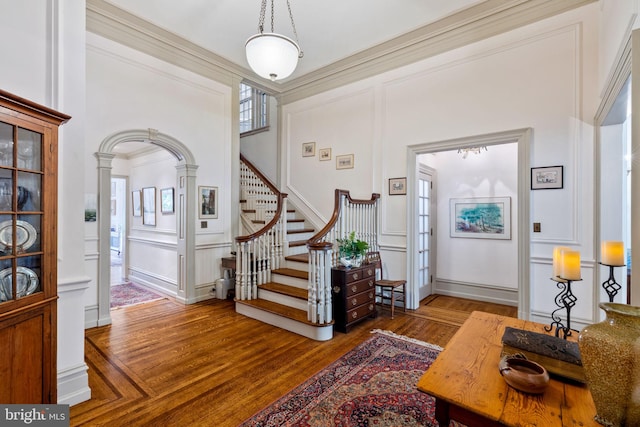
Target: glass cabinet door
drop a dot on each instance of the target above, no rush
(21, 177)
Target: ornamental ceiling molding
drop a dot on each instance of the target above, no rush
(486, 19)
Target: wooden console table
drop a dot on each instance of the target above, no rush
(468, 387)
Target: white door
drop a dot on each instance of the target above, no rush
(426, 224)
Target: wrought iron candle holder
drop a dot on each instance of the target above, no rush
(610, 285)
(565, 300)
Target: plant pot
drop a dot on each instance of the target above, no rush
(610, 352)
(355, 261)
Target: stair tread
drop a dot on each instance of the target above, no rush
(292, 272)
(281, 310)
(303, 230)
(298, 258)
(297, 243)
(283, 289)
(295, 220)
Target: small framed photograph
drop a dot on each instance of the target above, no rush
(136, 198)
(208, 197)
(166, 200)
(149, 206)
(548, 177)
(397, 186)
(308, 149)
(325, 154)
(344, 162)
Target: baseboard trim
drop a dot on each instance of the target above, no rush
(477, 291)
(73, 385)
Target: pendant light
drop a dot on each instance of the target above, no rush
(273, 56)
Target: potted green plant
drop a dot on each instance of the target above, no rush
(352, 251)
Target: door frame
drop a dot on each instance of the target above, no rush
(522, 137)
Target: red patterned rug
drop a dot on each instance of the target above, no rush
(129, 294)
(372, 385)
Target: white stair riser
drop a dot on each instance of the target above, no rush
(295, 225)
(296, 265)
(318, 333)
(299, 236)
(291, 281)
(295, 250)
(287, 300)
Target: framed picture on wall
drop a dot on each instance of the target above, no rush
(149, 206)
(208, 197)
(548, 177)
(397, 186)
(308, 149)
(325, 154)
(166, 200)
(481, 218)
(344, 162)
(136, 198)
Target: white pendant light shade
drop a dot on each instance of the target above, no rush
(272, 56)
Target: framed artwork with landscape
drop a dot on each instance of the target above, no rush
(166, 200)
(344, 161)
(481, 218)
(397, 186)
(208, 197)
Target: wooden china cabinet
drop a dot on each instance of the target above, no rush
(28, 243)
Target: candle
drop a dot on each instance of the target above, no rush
(612, 253)
(556, 259)
(570, 265)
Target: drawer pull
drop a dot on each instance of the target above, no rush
(370, 307)
(354, 302)
(354, 314)
(370, 295)
(354, 289)
(336, 289)
(355, 276)
(370, 272)
(370, 283)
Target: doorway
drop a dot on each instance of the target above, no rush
(118, 229)
(185, 211)
(521, 137)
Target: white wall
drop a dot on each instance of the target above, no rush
(43, 59)
(129, 90)
(542, 76)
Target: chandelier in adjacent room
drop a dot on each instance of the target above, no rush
(475, 150)
(271, 55)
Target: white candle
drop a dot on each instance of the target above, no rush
(570, 265)
(556, 259)
(612, 253)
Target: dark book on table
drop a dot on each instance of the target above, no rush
(559, 356)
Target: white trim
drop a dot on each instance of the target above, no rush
(476, 291)
(73, 385)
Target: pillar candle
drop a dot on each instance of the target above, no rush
(612, 253)
(556, 259)
(570, 265)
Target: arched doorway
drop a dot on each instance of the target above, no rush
(184, 204)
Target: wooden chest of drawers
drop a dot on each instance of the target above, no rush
(353, 292)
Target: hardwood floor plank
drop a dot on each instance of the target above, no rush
(165, 364)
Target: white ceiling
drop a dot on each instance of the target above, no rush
(328, 30)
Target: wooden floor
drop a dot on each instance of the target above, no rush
(166, 364)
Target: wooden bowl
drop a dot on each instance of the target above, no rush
(523, 374)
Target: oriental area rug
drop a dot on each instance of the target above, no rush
(130, 294)
(372, 385)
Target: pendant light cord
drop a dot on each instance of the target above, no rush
(263, 10)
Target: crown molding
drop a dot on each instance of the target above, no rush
(483, 20)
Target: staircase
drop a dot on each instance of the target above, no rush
(283, 267)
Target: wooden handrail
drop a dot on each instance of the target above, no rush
(255, 170)
(280, 196)
(336, 213)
